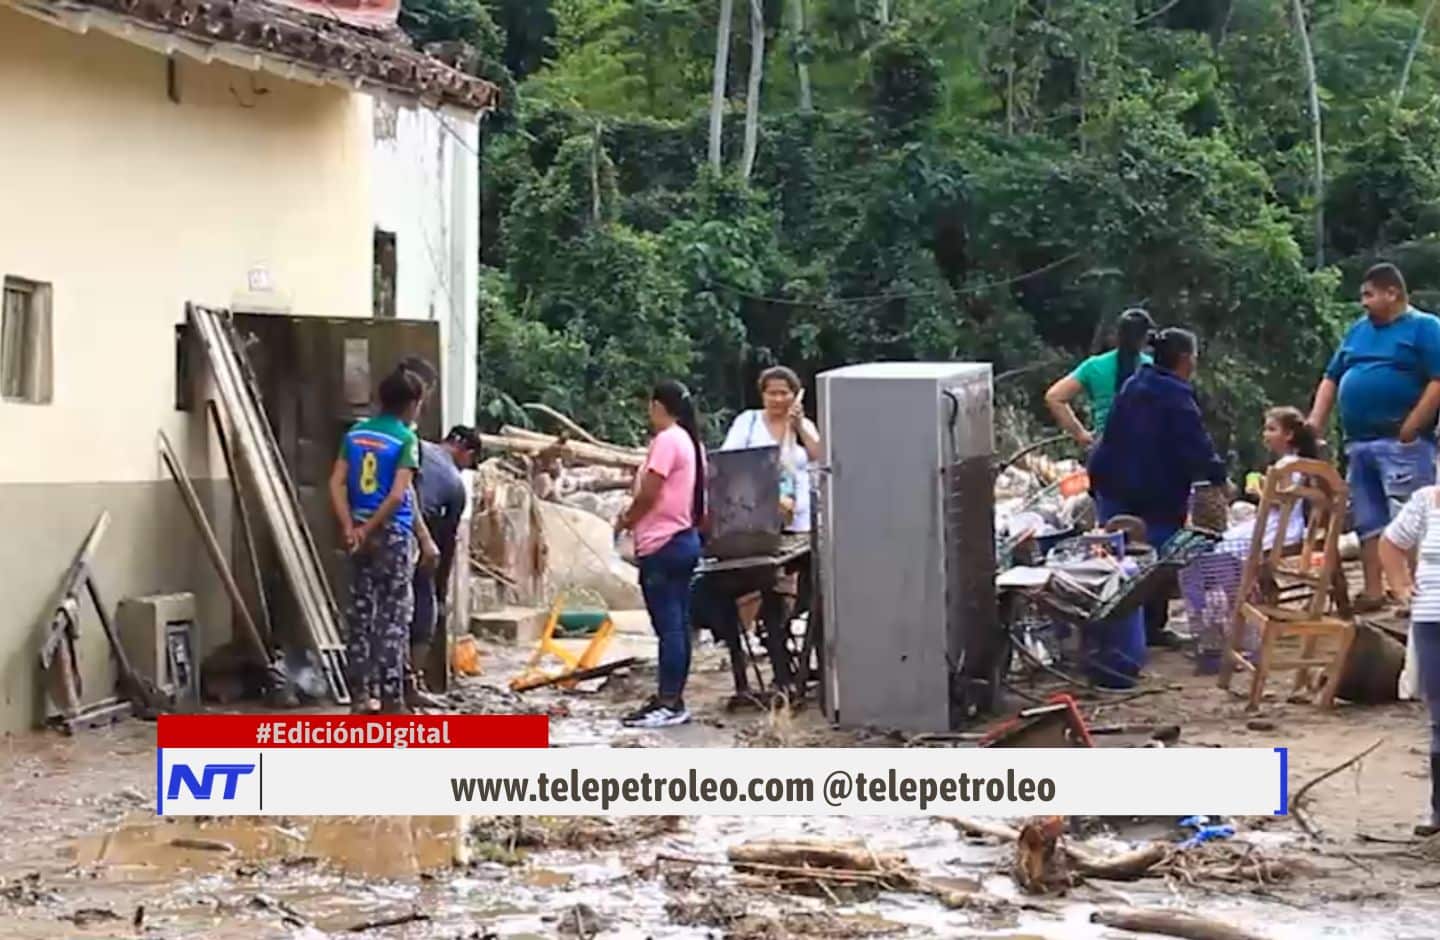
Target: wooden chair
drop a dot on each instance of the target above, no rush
(1286, 591)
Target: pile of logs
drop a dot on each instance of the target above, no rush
(573, 445)
(551, 447)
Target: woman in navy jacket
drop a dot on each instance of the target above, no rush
(1155, 447)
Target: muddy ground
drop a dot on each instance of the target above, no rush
(84, 855)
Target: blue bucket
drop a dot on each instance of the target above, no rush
(1115, 650)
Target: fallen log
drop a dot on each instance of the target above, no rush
(810, 854)
(601, 485)
(1127, 866)
(981, 828)
(510, 430)
(1171, 924)
(572, 451)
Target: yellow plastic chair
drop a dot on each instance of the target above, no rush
(533, 676)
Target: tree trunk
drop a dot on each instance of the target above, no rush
(1171, 923)
(595, 177)
(1010, 72)
(717, 89)
(884, 12)
(1314, 89)
(1414, 47)
(802, 67)
(752, 93)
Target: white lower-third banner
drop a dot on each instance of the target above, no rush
(320, 781)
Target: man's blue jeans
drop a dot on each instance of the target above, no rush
(665, 583)
(1382, 475)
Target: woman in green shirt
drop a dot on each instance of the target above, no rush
(1100, 377)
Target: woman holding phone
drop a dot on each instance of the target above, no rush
(781, 422)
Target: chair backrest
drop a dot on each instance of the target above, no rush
(1314, 488)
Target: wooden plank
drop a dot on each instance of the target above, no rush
(247, 527)
(280, 505)
(213, 549)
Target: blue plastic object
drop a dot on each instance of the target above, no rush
(1115, 649)
(1204, 831)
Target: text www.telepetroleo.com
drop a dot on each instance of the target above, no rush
(330, 765)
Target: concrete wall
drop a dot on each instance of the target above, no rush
(426, 192)
(131, 204)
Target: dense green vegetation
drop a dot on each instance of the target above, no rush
(987, 179)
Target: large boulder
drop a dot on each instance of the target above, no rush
(582, 558)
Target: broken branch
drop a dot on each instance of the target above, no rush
(414, 917)
(564, 421)
(1297, 803)
(886, 879)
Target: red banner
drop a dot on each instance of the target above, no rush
(367, 14)
(352, 731)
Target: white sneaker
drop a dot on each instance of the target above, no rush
(655, 715)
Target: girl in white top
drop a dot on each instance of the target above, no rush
(782, 419)
(1415, 531)
(1288, 438)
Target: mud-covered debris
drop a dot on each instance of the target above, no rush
(838, 926)
(27, 891)
(289, 916)
(738, 923)
(503, 838)
(472, 697)
(721, 910)
(86, 916)
(582, 921)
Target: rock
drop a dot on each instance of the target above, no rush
(1260, 724)
(582, 557)
(515, 625)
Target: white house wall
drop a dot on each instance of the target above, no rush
(131, 203)
(426, 193)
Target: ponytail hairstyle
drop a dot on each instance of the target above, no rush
(1171, 345)
(1132, 332)
(675, 399)
(1302, 436)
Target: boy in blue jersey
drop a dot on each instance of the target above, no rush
(371, 494)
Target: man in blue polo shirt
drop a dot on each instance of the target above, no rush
(1386, 377)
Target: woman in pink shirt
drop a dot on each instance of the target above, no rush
(665, 516)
